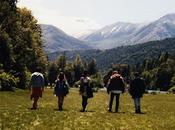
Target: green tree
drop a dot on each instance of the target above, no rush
(148, 77)
(163, 57)
(61, 62)
(52, 73)
(172, 83)
(28, 41)
(92, 67)
(69, 73)
(78, 68)
(8, 14)
(21, 49)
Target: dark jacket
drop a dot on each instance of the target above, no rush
(115, 83)
(137, 88)
(61, 88)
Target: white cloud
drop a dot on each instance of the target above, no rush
(72, 25)
(79, 16)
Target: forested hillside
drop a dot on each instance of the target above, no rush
(131, 55)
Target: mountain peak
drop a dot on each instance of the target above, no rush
(123, 33)
(55, 39)
(168, 17)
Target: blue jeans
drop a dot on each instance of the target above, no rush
(137, 103)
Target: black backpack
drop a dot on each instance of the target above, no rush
(63, 87)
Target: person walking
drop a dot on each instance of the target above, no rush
(36, 87)
(85, 90)
(137, 89)
(115, 87)
(61, 89)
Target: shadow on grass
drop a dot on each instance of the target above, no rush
(30, 108)
(116, 112)
(142, 113)
(56, 109)
(86, 111)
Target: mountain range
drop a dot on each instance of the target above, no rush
(111, 36)
(55, 39)
(121, 33)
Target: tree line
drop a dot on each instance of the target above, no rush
(132, 54)
(158, 73)
(21, 49)
(73, 70)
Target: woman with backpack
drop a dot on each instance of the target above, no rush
(85, 90)
(61, 89)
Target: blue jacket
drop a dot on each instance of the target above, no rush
(61, 88)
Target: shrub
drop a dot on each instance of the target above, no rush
(27, 78)
(77, 84)
(7, 82)
(172, 90)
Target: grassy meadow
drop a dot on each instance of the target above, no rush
(15, 113)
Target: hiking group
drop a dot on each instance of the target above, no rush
(115, 87)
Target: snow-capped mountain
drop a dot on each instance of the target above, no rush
(55, 39)
(118, 29)
(158, 30)
(121, 33)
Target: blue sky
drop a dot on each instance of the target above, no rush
(76, 17)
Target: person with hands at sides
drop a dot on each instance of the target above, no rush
(36, 87)
(115, 87)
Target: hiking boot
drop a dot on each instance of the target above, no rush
(60, 108)
(138, 111)
(33, 108)
(82, 110)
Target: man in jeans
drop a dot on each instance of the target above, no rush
(36, 87)
(115, 87)
(137, 89)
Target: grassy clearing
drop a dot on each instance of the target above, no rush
(16, 115)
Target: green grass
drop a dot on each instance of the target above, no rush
(16, 115)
